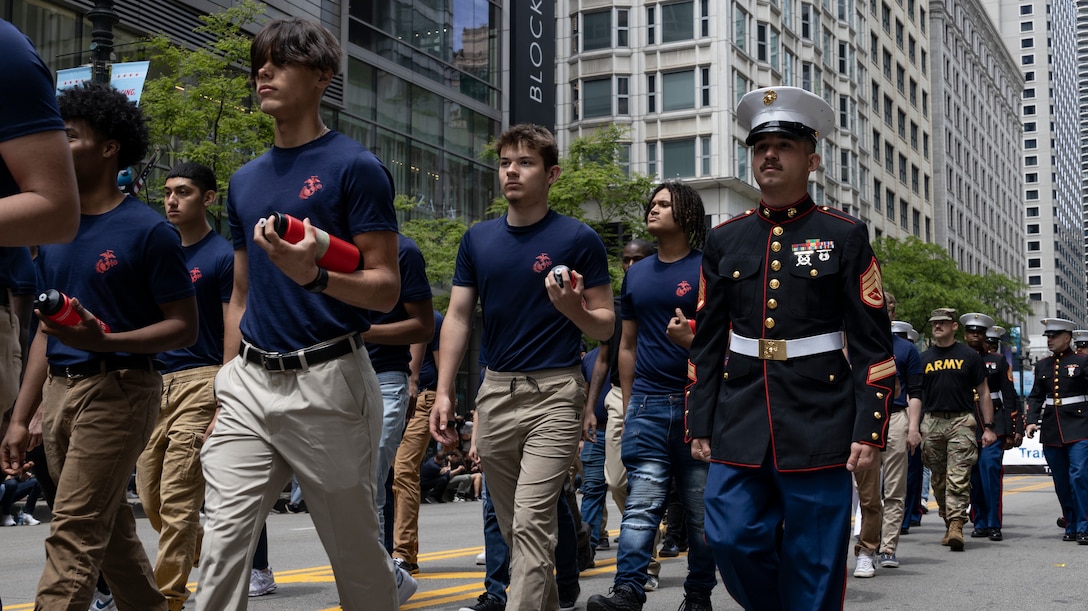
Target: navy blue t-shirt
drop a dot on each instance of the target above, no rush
(17, 270)
(344, 190)
(413, 287)
(506, 265)
(121, 265)
(652, 290)
(428, 371)
(211, 269)
(589, 363)
(29, 103)
(907, 363)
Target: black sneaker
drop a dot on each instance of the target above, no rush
(696, 601)
(568, 595)
(624, 598)
(486, 602)
(603, 543)
(995, 534)
(669, 549)
(980, 533)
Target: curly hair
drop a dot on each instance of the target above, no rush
(687, 209)
(111, 115)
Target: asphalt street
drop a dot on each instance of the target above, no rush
(1031, 569)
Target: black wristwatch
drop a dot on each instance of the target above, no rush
(319, 284)
(988, 425)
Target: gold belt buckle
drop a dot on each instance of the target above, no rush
(772, 349)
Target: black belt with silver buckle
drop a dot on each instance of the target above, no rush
(301, 359)
(103, 365)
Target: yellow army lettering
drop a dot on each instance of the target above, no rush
(944, 365)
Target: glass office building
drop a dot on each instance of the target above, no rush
(421, 87)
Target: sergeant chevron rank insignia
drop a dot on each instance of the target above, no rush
(872, 288)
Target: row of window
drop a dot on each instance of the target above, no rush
(666, 91)
(665, 23)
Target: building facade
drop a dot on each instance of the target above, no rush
(672, 73)
(976, 89)
(1041, 37)
(422, 85)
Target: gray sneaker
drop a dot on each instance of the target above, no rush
(261, 582)
(889, 561)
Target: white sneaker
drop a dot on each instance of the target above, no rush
(261, 582)
(25, 519)
(652, 583)
(102, 602)
(864, 566)
(481, 558)
(8, 521)
(406, 584)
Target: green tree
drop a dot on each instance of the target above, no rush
(438, 240)
(200, 105)
(924, 277)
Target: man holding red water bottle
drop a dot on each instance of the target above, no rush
(99, 392)
(296, 376)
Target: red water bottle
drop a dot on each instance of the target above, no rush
(332, 253)
(57, 307)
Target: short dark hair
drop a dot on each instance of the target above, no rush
(687, 209)
(201, 175)
(534, 137)
(647, 247)
(294, 41)
(111, 115)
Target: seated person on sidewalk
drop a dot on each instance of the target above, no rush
(434, 478)
(13, 490)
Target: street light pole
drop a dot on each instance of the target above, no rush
(102, 18)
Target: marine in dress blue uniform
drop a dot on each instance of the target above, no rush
(988, 473)
(1058, 409)
(775, 403)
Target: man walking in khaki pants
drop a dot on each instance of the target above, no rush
(168, 475)
(297, 376)
(529, 407)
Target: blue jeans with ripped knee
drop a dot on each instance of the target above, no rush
(653, 451)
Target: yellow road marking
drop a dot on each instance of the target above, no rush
(454, 594)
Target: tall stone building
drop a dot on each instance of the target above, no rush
(1041, 37)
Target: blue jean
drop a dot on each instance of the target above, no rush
(496, 553)
(653, 451)
(14, 490)
(394, 385)
(1069, 467)
(594, 487)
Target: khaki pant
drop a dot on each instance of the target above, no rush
(895, 480)
(11, 356)
(949, 450)
(614, 473)
(169, 479)
(413, 446)
(323, 424)
(868, 482)
(529, 426)
(94, 429)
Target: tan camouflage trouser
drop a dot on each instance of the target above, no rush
(949, 450)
